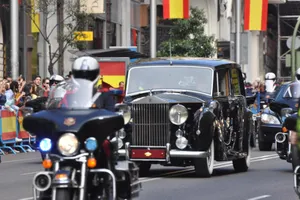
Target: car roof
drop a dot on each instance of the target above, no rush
(196, 61)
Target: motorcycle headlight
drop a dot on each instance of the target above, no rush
(269, 119)
(91, 144)
(125, 111)
(45, 145)
(68, 144)
(178, 114)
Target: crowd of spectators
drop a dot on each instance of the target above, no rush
(15, 93)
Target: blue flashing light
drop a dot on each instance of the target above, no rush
(45, 144)
(91, 144)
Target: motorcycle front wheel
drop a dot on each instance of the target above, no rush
(295, 156)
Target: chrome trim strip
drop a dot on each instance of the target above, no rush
(188, 154)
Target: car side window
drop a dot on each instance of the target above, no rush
(221, 86)
(235, 81)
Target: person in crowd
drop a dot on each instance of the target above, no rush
(10, 102)
(25, 95)
(21, 82)
(122, 89)
(39, 89)
(2, 95)
(9, 93)
(46, 86)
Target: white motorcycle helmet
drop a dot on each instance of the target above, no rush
(86, 68)
(270, 79)
(55, 79)
(298, 74)
(270, 76)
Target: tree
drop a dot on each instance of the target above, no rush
(71, 17)
(187, 37)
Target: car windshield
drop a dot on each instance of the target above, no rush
(74, 94)
(170, 78)
(292, 91)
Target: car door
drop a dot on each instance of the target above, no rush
(238, 100)
(222, 89)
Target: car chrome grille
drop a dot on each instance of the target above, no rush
(150, 124)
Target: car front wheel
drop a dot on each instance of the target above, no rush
(204, 167)
(242, 164)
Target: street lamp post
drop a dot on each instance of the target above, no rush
(14, 33)
(293, 50)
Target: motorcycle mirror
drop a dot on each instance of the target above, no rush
(286, 111)
(270, 100)
(26, 111)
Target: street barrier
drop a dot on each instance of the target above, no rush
(26, 138)
(12, 135)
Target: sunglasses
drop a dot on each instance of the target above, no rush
(54, 82)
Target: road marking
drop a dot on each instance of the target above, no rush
(29, 198)
(192, 171)
(20, 160)
(189, 171)
(183, 170)
(179, 171)
(260, 197)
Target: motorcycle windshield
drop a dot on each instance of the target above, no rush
(74, 94)
(293, 91)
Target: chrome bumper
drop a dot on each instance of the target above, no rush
(169, 153)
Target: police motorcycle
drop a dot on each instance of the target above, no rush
(79, 143)
(292, 124)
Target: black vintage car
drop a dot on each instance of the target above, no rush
(281, 106)
(185, 111)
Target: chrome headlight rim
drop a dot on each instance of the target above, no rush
(178, 106)
(125, 111)
(269, 119)
(68, 136)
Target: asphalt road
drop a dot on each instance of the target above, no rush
(268, 178)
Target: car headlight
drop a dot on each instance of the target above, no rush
(121, 134)
(178, 114)
(269, 119)
(125, 111)
(119, 141)
(68, 144)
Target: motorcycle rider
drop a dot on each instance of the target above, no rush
(270, 80)
(298, 75)
(88, 68)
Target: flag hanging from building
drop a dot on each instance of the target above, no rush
(255, 15)
(176, 9)
(35, 18)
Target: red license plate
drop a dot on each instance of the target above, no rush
(148, 153)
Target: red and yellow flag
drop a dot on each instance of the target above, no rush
(176, 9)
(256, 15)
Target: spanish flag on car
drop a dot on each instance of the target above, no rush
(176, 9)
(255, 15)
